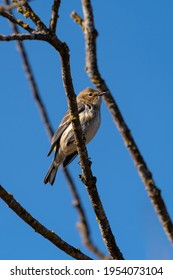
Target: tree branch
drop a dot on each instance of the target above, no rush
(28, 12)
(54, 16)
(39, 228)
(22, 37)
(32, 82)
(92, 70)
(16, 21)
(77, 19)
(9, 6)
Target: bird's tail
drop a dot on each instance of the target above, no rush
(51, 174)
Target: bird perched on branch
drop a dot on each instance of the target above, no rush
(63, 143)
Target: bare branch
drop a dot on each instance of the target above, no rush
(34, 88)
(39, 228)
(35, 91)
(92, 69)
(77, 19)
(9, 7)
(31, 79)
(16, 21)
(54, 16)
(28, 12)
(22, 37)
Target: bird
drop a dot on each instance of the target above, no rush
(63, 142)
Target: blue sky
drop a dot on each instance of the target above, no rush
(135, 57)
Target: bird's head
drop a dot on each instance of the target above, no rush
(91, 96)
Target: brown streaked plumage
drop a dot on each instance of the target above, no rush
(88, 102)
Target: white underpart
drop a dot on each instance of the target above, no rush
(89, 129)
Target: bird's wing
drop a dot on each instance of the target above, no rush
(56, 137)
(69, 159)
(63, 125)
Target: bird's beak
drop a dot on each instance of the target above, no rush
(102, 93)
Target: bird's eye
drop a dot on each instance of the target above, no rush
(90, 94)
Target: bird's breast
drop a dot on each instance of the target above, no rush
(90, 122)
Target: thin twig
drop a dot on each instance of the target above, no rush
(32, 82)
(9, 6)
(28, 12)
(54, 16)
(22, 37)
(77, 19)
(39, 228)
(92, 69)
(16, 21)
